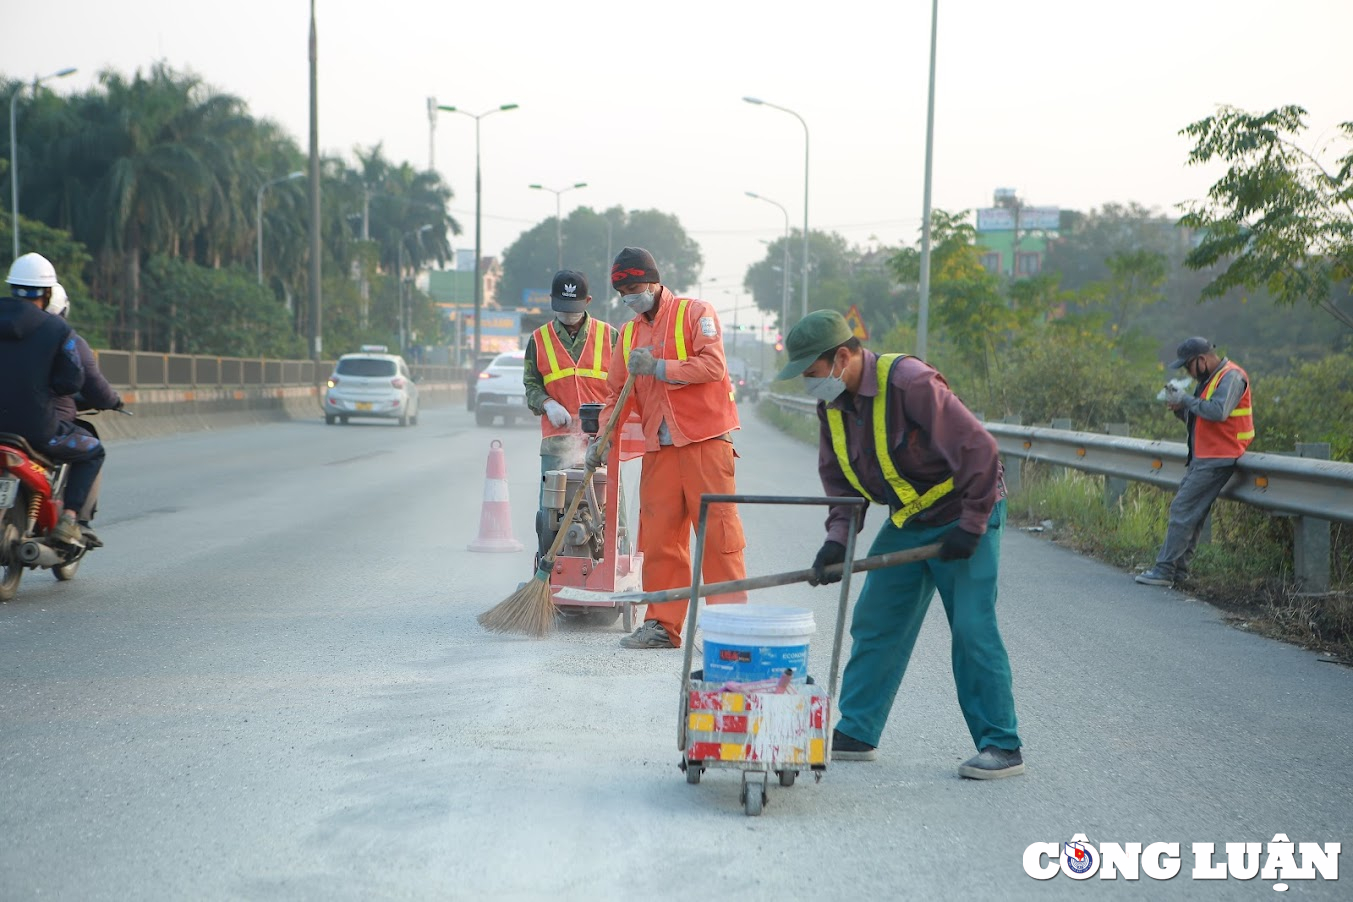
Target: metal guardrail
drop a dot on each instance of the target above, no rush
(1313, 489)
(133, 369)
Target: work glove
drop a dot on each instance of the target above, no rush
(119, 405)
(559, 417)
(958, 544)
(831, 553)
(596, 454)
(642, 362)
(1174, 394)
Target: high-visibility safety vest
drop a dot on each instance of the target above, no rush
(904, 501)
(572, 383)
(702, 410)
(1232, 436)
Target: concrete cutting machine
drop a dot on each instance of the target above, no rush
(597, 554)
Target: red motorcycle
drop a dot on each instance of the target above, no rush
(30, 502)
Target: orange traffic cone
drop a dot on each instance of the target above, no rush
(495, 518)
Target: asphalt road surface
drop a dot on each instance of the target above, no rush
(270, 685)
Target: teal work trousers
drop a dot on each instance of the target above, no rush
(888, 616)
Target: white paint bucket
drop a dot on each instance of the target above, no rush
(747, 643)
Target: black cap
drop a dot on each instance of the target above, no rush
(1190, 348)
(634, 264)
(568, 292)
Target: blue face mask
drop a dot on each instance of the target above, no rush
(826, 388)
(640, 302)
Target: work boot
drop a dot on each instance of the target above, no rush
(992, 763)
(91, 538)
(847, 748)
(651, 635)
(1156, 576)
(66, 531)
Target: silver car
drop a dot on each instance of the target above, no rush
(500, 391)
(371, 384)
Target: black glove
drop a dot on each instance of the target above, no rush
(120, 404)
(958, 544)
(831, 553)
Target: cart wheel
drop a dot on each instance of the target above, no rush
(693, 772)
(753, 800)
(787, 777)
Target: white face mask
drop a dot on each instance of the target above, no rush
(641, 302)
(570, 319)
(826, 388)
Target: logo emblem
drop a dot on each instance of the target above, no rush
(570, 290)
(1080, 858)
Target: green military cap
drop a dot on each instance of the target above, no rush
(811, 337)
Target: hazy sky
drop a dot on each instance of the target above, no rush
(1074, 103)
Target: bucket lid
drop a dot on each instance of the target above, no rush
(757, 620)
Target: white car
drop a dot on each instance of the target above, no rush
(500, 391)
(371, 384)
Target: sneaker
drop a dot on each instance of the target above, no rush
(66, 531)
(651, 635)
(1156, 576)
(992, 763)
(90, 537)
(846, 748)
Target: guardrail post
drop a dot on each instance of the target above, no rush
(1115, 487)
(1311, 537)
(1063, 423)
(1013, 464)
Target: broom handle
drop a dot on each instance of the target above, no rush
(877, 562)
(604, 437)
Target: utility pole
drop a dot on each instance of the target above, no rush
(923, 305)
(316, 332)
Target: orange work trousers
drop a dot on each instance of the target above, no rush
(670, 487)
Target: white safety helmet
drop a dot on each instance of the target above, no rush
(59, 303)
(31, 275)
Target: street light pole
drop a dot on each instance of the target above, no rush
(258, 213)
(14, 151)
(558, 222)
(760, 102)
(432, 134)
(478, 194)
(784, 266)
(923, 305)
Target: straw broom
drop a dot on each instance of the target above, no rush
(530, 611)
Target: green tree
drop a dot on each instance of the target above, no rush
(1280, 217)
(528, 263)
(217, 311)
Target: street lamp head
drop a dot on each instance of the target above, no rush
(580, 185)
(537, 187)
(298, 174)
(64, 72)
(508, 106)
(756, 100)
(752, 194)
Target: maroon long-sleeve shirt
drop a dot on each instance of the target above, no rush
(932, 437)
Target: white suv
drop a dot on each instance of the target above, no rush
(371, 384)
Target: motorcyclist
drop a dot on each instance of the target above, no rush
(95, 393)
(39, 362)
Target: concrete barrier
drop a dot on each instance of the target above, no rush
(165, 411)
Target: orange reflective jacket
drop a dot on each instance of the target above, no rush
(572, 383)
(698, 402)
(1232, 436)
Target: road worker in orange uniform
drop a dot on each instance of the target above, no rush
(684, 398)
(565, 367)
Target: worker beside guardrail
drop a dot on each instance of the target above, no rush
(1220, 423)
(892, 432)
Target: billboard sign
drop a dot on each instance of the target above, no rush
(1002, 219)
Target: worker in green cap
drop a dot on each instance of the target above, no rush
(893, 432)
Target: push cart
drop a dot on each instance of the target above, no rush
(758, 732)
